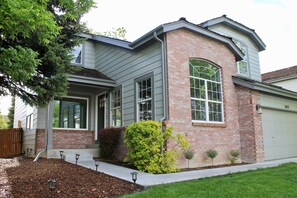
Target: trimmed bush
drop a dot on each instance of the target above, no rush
(147, 147)
(234, 154)
(109, 139)
(211, 153)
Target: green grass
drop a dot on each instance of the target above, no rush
(275, 182)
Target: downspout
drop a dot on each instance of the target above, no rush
(46, 132)
(163, 78)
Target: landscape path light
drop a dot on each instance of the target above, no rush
(61, 154)
(134, 176)
(97, 164)
(76, 158)
(52, 186)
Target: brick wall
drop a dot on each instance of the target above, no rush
(66, 139)
(181, 46)
(250, 125)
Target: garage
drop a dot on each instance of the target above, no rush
(279, 124)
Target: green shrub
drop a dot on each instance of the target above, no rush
(211, 153)
(234, 154)
(147, 147)
(189, 154)
(108, 140)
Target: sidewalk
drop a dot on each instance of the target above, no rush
(146, 179)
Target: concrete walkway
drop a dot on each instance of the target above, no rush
(146, 179)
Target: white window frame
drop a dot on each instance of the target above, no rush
(244, 49)
(119, 88)
(87, 113)
(73, 61)
(207, 100)
(29, 122)
(138, 101)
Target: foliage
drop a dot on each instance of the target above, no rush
(118, 33)
(189, 154)
(234, 154)
(108, 140)
(36, 38)
(11, 112)
(268, 182)
(3, 123)
(211, 153)
(147, 147)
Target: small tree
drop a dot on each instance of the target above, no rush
(211, 153)
(189, 154)
(147, 147)
(234, 154)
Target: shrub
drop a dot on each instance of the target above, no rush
(147, 147)
(234, 154)
(189, 154)
(108, 140)
(211, 153)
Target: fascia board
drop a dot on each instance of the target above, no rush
(91, 81)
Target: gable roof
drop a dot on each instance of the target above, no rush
(239, 27)
(281, 74)
(182, 23)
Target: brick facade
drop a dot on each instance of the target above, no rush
(250, 122)
(183, 45)
(66, 139)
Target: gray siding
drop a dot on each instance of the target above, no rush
(21, 112)
(124, 66)
(253, 54)
(89, 54)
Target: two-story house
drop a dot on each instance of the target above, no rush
(202, 79)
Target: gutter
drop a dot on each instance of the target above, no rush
(165, 114)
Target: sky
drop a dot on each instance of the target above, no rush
(273, 20)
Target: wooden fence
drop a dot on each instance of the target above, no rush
(11, 142)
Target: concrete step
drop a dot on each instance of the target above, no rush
(96, 146)
(85, 154)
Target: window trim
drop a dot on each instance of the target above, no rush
(29, 122)
(245, 60)
(206, 100)
(87, 113)
(136, 108)
(82, 56)
(121, 105)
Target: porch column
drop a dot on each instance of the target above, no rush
(50, 125)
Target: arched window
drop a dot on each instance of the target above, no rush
(206, 91)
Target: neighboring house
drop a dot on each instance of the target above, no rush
(204, 80)
(286, 78)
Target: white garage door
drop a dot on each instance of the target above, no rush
(280, 134)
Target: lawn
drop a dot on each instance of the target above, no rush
(277, 182)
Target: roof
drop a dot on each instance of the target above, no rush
(91, 77)
(239, 27)
(281, 74)
(181, 23)
(264, 87)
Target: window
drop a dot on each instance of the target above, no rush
(144, 100)
(116, 111)
(206, 92)
(70, 113)
(242, 66)
(77, 55)
(29, 122)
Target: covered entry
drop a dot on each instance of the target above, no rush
(279, 118)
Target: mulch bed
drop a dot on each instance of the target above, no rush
(23, 178)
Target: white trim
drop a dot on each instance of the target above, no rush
(87, 116)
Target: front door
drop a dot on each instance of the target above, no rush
(100, 114)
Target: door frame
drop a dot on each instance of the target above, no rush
(96, 113)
